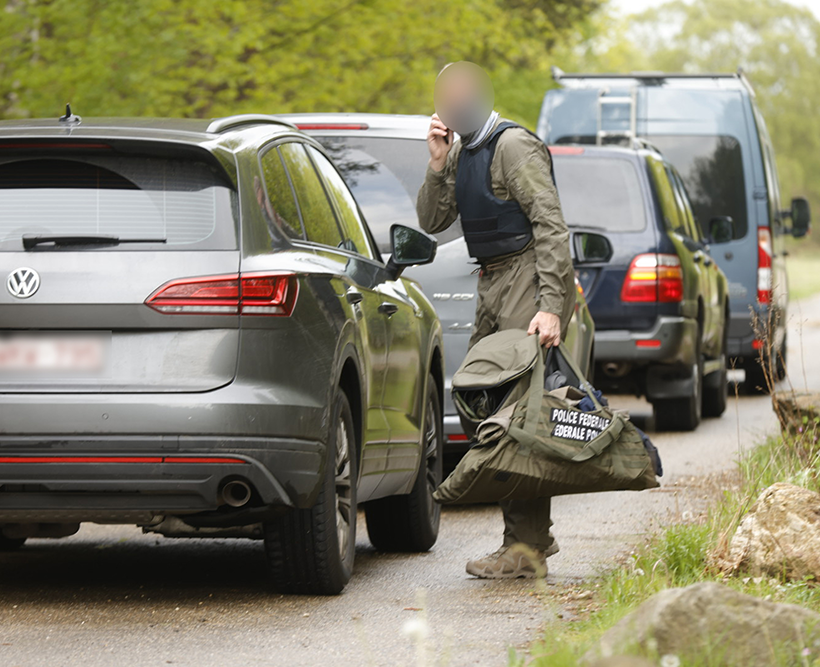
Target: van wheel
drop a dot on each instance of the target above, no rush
(311, 551)
(411, 522)
(682, 414)
(11, 543)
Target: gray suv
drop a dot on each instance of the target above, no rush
(199, 336)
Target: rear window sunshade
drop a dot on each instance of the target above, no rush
(181, 200)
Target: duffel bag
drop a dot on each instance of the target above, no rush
(541, 445)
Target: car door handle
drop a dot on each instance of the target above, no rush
(697, 256)
(707, 261)
(354, 297)
(388, 308)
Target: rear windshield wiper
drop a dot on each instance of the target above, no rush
(58, 241)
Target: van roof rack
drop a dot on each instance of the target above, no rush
(650, 78)
(232, 122)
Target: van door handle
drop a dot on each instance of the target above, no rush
(388, 308)
(354, 297)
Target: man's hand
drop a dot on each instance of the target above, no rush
(439, 142)
(548, 328)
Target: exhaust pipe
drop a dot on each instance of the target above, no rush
(615, 369)
(236, 493)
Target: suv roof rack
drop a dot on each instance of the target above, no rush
(232, 122)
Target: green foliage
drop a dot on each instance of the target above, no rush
(193, 58)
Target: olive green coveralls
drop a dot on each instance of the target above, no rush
(512, 288)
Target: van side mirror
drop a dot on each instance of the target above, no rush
(721, 229)
(801, 217)
(409, 247)
(591, 248)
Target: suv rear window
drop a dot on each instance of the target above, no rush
(712, 171)
(183, 201)
(600, 192)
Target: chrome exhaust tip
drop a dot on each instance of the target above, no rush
(236, 493)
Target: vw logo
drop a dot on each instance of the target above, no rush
(23, 282)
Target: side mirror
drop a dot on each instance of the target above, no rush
(721, 229)
(801, 217)
(591, 248)
(409, 246)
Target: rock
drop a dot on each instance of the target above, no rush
(791, 407)
(710, 620)
(780, 536)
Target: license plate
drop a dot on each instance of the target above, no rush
(53, 353)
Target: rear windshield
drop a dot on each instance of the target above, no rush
(600, 192)
(712, 171)
(185, 202)
(385, 175)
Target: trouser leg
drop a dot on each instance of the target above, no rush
(528, 522)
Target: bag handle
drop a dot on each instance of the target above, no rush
(537, 383)
(526, 435)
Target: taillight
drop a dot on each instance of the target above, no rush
(246, 294)
(764, 265)
(653, 278)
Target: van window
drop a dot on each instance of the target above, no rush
(600, 192)
(185, 202)
(712, 171)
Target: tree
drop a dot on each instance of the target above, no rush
(193, 58)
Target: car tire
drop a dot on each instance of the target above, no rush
(410, 523)
(11, 543)
(311, 551)
(780, 362)
(716, 387)
(682, 414)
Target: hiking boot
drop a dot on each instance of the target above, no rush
(552, 549)
(517, 561)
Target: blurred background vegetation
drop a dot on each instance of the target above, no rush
(205, 58)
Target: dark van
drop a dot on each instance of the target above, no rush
(710, 129)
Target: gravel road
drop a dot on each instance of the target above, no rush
(110, 595)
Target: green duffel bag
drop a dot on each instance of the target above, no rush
(536, 443)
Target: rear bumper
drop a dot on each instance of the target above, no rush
(107, 480)
(673, 340)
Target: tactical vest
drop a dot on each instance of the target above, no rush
(492, 226)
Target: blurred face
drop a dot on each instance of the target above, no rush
(464, 97)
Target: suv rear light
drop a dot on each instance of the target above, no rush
(764, 265)
(246, 294)
(653, 278)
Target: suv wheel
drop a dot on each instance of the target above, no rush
(411, 522)
(311, 551)
(716, 386)
(11, 543)
(682, 414)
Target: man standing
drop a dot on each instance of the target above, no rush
(497, 177)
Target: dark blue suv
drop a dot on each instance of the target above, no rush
(659, 300)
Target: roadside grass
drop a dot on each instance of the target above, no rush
(688, 552)
(803, 270)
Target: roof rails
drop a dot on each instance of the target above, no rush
(233, 122)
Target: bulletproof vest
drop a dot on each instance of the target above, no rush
(492, 226)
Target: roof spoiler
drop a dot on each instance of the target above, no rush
(232, 122)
